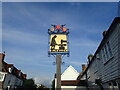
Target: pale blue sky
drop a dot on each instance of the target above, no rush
(25, 37)
(1, 26)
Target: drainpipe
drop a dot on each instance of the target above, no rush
(87, 81)
(99, 83)
(101, 87)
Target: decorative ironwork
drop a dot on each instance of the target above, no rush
(58, 29)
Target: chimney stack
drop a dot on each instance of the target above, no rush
(83, 67)
(90, 56)
(104, 33)
(2, 56)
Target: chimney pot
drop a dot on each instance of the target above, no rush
(104, 33)
(83, 67)
(2, 56)
(90, 56)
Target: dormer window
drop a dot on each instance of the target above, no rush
(106, 52)
(10, 70)
(20, 74)
(2, 76)
(97, 56)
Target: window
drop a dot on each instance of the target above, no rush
(106, 52)
(114, 83)
(98, 56)
(110, 86)
(1, 76)
(115, 86)
(103, 55)
(95, 65)
(20, 74)
(109, 49)
(88, 74)
(10, 70)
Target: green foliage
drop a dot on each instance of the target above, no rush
(53, 85)
(42, 86)
(29, 84)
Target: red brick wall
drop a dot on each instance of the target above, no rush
(0, 85)
(83, 67)
(1, 59)
(0, 62)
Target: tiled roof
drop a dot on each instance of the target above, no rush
(24, 75)
(15, 71)
(2, 56)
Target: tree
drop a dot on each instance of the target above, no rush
(29, 84)
(42, 87)
(53, 85)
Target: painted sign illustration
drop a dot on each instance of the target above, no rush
(58, 43)
(58, 40)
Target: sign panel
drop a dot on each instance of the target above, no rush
(2, 76)
(58, 43)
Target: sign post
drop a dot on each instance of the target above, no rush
(58, 46)
(58, 71)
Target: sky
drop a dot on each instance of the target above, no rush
(0, 27)
(25, 37)
(59, 0)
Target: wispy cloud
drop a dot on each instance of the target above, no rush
(16, 36)
(25, 37)
(84, 42)
(43, 80)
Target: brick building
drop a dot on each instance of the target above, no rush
(10, 76)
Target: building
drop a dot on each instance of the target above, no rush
(103, 70)
(69, 80)
(10, 76)
(69, 74)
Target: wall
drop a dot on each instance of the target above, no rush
(91, 78)
(69, 74)
(73, 88)
(110, 69)
(107, 71)
(119, 55)
(12, 80)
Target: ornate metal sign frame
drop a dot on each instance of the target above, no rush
(55, 31)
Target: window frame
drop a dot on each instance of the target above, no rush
(106, 52)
